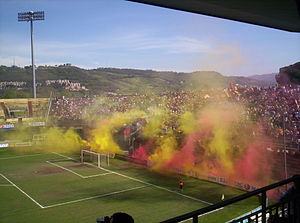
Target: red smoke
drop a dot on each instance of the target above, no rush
(142, 153)
(245, 159)
(255, 164)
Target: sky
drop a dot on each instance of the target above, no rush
(123, 34)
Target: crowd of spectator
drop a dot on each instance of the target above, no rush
(69, 108)
(277, 106)
(172, 102)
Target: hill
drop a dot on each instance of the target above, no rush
(125, 81)
(265, 79)
(289, 74)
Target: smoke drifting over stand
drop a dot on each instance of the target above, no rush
(217, 139)
(214, 138)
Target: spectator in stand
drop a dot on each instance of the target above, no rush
(276, 107)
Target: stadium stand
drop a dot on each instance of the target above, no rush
(276, 107)
(23, 108)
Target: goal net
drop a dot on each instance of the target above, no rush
(98, 159)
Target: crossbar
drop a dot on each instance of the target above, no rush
(96, 154)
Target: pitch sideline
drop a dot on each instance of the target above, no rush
(23, 192)
(149, 184)
(69, 202)
(112, 193)
(94, 197)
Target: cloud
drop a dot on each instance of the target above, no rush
(15, 60)
(99, 49)
(223, 57)
(177, 44)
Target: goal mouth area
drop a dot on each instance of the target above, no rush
(64, 160)
(69, 163)
(98, 159)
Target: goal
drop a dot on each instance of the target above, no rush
(98, 159)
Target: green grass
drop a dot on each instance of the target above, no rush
(69, 193)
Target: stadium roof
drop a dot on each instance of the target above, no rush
(278, 14)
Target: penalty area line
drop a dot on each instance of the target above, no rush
(71, 171)
(77, 174)
(153, 185)
(96, 175)
(59, 160)
(94, 197)
(23, 192)
(69, 202)
(143, 182)
(61, 155)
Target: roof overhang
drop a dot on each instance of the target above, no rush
(278, 14)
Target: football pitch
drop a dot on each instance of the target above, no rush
(52, 187)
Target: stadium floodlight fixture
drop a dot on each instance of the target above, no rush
(30, 17)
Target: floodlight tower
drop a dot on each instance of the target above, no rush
(31, 16)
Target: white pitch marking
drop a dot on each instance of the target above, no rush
(149, 184)
(204, 214)
(70, 202)
(98, 196)
(37, 203)
(89, 198)
(15, 157)
(58, 160)
(162, 188)
(64, 168)
(6, 185)
(96, 175)
(63, 155)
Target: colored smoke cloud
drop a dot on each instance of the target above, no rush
(218, 140)
(101, 139)
(58, 140)
(51, 139)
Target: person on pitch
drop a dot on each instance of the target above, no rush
(180, 184)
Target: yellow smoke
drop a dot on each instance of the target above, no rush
(165, 150)
(187, 122)
(57, 140)
(51, 139)
(101, 138)
(221, 119)
(154, 123)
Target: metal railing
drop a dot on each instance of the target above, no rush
(282, 212)
(287, 210)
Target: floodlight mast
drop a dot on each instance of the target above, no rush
(31, 16)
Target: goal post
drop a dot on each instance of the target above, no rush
(100, 159)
